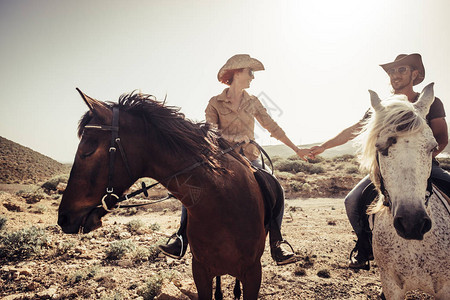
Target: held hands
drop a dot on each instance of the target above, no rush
(314, 151)
(302, 153)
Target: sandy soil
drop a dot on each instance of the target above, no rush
(77, 267)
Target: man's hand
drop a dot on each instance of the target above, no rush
(314, 151)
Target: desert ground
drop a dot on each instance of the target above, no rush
(120, 260)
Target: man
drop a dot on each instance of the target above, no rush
(404, 72)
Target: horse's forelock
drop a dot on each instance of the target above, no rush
(397, 118)
(85, 119)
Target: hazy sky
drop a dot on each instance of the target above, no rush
(321, 57)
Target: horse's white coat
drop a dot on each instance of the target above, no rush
(407, 264)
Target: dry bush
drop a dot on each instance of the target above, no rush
(23, 243)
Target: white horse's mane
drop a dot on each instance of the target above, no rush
(398, 117)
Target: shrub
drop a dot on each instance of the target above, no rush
(152, 287)
(316, 169)
(316, 160)
(306, 187)
(31, 196)
(295, 186)
(352, 170)
(134, 225)
(299, 271)
(2, 222)
(444, 163)
(83, 274)
(293, 166)
(40, 209)
(23, 243)
(141, 254)
(154, 251)
(155, 227)
(115, 296)
(52, 183)
(64, 247)
(345, 157)
(118, 249)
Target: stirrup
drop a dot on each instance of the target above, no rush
(175, 236)
(180, 237)
(353, 251)
(367, 264)
(278, 243)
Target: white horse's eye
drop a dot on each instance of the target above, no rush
(433, 147)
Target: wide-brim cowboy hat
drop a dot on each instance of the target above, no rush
(414, 60)
(240, 61)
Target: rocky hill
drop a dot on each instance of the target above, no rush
(19, 164)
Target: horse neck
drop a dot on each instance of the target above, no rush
(181, 174)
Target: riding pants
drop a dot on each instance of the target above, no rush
(439, 176)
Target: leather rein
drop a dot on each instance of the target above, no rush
(111, 201)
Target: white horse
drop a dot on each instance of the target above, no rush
(411, 230)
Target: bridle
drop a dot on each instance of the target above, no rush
(111, 201)
(387, 199)
(115, 140)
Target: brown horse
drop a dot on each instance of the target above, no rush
(225, 206)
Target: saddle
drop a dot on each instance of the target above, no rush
(273, 195)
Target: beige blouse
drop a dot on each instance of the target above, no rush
(237, 126)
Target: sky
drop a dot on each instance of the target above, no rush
(320, 59)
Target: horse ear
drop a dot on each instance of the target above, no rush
(375, 101)
(425, 100)
(97, 107)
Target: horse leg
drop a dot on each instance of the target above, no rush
(391, 290)
(251, 281)
(203, 280)
(237, 290)
(218, 295)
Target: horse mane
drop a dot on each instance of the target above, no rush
(175, 133)
(398, 117)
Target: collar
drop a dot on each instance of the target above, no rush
(223, 96)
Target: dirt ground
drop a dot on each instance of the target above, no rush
(77, 266)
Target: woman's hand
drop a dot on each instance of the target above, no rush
(302, 153)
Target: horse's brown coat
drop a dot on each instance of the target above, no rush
(225, 206)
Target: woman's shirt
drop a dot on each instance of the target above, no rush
(236, 126)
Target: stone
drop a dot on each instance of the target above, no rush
(170, 292)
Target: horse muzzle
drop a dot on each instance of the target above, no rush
(412, 225)
(84, 222)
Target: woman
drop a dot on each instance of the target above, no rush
(234, 112)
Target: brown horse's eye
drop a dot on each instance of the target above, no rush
(87, 147)
(84, 155)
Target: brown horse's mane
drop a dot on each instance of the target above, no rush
(175, 133)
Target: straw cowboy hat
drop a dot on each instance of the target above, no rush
(240, 61)
(414, 60)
